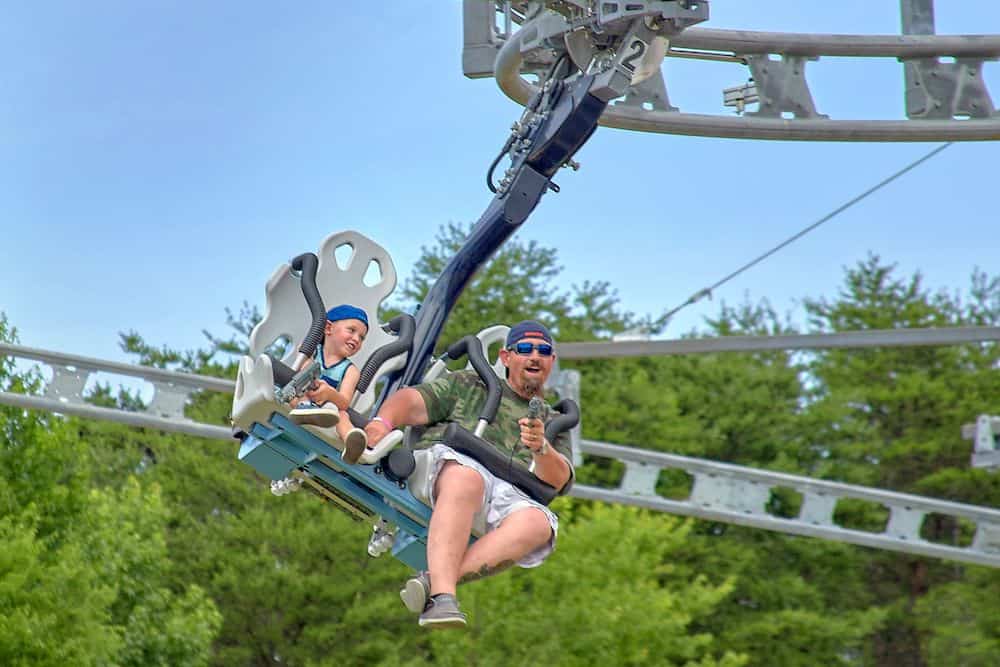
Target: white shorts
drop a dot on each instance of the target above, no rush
(500, 499)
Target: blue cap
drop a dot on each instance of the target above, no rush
(528, 329)
(346, 312)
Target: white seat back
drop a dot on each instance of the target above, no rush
(365, 279)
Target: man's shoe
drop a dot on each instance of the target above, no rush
(442, 612)
(354, 445)
(309, 413)
(415, 592)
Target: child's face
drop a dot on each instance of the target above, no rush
(344, 337)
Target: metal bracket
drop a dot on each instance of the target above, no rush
(650, 94)
(711, 490)
(946, 90)
(678, 13)
(480, 41)
(169, 400)
(482, 38)
(67, 383)
(782, 87)
(985, 434)
(640, 479)
(740, 96)
(566, 383)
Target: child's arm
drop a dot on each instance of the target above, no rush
(347, 387)
(324, 393)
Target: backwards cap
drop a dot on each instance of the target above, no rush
(528, 329)
(346, 312)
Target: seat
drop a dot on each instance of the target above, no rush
(290, 455)
(365, 278)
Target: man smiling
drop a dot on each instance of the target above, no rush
(518, 529)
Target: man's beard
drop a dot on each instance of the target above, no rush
(531, 386)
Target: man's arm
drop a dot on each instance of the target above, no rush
(405, 407)
(549, 465)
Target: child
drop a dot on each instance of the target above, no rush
(346, 328)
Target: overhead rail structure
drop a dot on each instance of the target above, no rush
(945, 95)
(64, 393)
(719, 492)
(830, 341)
(740, 495)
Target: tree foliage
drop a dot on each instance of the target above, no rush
(126, 546)
(85, 568)
(520, 281)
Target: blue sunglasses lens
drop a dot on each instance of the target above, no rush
(544, 349)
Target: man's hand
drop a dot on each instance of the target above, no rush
(532, 433)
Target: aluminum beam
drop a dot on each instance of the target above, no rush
(140, 419)
(959, 87)
(842, 340)
(826, 44)
(739, 495)
(64, 393)
(721, 492)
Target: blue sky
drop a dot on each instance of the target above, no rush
(160, 159)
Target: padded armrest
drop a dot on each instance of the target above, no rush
(464, 442)
(384, 446)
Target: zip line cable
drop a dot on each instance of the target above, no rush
(707, 291)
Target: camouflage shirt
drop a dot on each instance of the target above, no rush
(459, 397)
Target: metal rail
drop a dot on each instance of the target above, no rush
(842, 340)
(141, 419)
(721, 492)
(91, 364)
(64, 393)
(739, 495)
(862, 46)
(955, 104)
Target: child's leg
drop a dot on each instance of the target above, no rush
(354, 440)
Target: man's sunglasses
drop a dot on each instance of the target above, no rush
(544, 349)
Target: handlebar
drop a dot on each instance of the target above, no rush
(307, 264)
(402, 325)
(569, 418)
(472, 346)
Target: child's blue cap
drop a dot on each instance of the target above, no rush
(346, 312)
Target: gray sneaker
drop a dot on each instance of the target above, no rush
(415, 592)
(354, 445)
(442, 612)
(307, 412)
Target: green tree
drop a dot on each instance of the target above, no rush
(520, 281)
(293, 584)
(891, 417)
(614, 593)
(83, 567)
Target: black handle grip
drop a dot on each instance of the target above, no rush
(282, 372)
(472, 346)
(498, 464)
(404, 327)
(307, 264)
(569, 418)
(458, 349)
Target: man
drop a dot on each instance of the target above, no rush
(518, 529)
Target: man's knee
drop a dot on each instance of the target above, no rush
(460, 480)
(532, 526)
